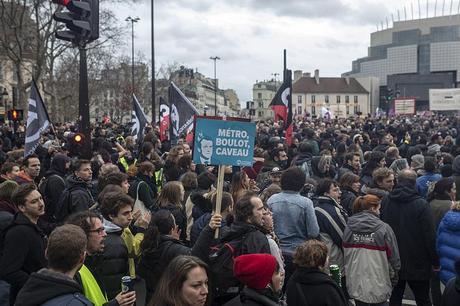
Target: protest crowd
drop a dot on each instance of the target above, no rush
(350, 211)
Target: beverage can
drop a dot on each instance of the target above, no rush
(127, 284)
(334, 271)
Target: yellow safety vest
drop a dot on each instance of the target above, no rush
(124, 163)
(91, 288)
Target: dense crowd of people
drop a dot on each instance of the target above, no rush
(347, 212)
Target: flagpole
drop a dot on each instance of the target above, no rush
(46, 112)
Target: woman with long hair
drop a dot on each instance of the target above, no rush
(142, 187)
(171, 197)
(371, 254)
(172, 170)
(440, 199)
(376, 160)
(184, 283)
(161, 245)
(240, 185)
(350, 186)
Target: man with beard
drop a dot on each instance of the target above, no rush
(24, 241)
(87, 277)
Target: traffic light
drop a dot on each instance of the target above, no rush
(15, 115)
(78, 138)
(390, 95)
(81, 20)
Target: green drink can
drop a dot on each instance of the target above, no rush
(334, 271)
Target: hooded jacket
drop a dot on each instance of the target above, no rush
(329, 234)
(80, 197)
(253, 297)
(53, 184)
(52, 289)
(314, 286)
(371, 258)
(448, 245)
(409, 216)
(23, 252)
(114, 263)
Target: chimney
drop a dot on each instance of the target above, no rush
(297, 75)
(306, 75)
(347, 80)
(317, 76)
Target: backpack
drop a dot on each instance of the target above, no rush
(221, 263)
(50, 208)
(64, 206)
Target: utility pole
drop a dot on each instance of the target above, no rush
(83, 103)
(215, 58)
(152, 17)
(132, 20)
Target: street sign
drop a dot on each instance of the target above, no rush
(222, 142)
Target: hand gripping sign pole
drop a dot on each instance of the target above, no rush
(224, 143)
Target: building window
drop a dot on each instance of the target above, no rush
(355, 109)
(347, 99)
(261, 104)
(313, 99)
(348, 110)
(338, 99)
(355, 99)
(261, 114)
(259, 95)
(313, 110)
(1, 72)
(299, 110)
(299, 99)
(326, 98)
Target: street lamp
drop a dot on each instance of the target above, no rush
(215, 58)
(132, 20)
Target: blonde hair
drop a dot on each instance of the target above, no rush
(456, 206)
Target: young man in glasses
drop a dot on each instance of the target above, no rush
(93, 289)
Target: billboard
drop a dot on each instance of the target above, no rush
(444, 99)
(222, 142)
(404, 106)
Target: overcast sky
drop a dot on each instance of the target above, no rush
(249, 35)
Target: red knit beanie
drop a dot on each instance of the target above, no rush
(254, 270)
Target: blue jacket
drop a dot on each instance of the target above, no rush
(294, 219)
(425, 181)
(448, 245)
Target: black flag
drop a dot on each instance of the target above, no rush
(37, 121)
(181, 113)
(139, 120)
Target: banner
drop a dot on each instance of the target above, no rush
(444, 99)
(181, 115)
(37, 121)
(139, 121)
(164, 119)
(404, 106)
(221, 142)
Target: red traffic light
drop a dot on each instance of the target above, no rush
(61, 2)
(15, 114)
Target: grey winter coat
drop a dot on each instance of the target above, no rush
(371, 258)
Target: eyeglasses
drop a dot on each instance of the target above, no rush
(99, 231)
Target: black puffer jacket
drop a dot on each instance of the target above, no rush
(46, 285)
(317, 287)
(254, 242)
(410, 217)
(151, 265)
(115, 260)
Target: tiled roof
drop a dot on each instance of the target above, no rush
(327, 85)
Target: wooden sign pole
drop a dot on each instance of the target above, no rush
(220, 188)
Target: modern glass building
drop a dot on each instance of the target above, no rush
(412, 57)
